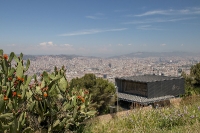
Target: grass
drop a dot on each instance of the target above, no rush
(173, 119)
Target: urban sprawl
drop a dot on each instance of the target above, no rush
(109, 68)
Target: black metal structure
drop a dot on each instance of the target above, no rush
(149, 88)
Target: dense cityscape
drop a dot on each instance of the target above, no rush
(109, 68)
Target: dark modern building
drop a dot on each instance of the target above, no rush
(146, 89)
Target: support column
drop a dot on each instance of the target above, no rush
(132, 105)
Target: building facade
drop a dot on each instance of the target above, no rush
(145, 89)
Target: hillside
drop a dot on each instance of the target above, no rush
(176, 118)
(157, 54)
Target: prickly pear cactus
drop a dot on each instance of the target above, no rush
(46, 104)
(13, 85)
(58, 106)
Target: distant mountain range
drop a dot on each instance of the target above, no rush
(134, 54)
(158, 54)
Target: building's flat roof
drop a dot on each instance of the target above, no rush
(142, 100)
(148, 78)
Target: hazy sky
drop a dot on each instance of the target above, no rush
(99, 27)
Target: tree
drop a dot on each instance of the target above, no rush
(101, 90)
(188, 79)
(192, 81)
(189, 89)
(195, 73)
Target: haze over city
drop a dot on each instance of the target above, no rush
(99, 28)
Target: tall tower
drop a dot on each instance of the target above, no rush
(110, 65)
(179, 71)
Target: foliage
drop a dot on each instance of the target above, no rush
(195, 73)
(189, 89)
(192, 86)
(46, 104)
(185, 118)
(13, 85)
(100, 89)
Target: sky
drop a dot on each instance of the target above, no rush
(99, 27)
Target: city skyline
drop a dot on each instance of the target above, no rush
(99, 28)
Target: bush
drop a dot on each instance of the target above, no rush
(101, 91)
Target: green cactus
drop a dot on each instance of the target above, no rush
(13, 86)
(48, 105)
(58, 106)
